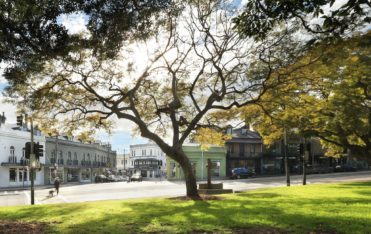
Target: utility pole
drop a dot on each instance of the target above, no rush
(286, 158)
(32, 165)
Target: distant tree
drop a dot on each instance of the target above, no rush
(196, 66)
(329, 99)
(326, 19)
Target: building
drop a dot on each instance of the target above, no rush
(199, 160)
(148, 159)
(244, 149)
(14, 167)
(122, 162)
(77, 161)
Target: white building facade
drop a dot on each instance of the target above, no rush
(148, 159)
(14, 168)
(122, 162)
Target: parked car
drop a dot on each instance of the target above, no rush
(242, 172)
(100, 179)
(112, 178)
(122, 178)
(345, 168)
(136, 177)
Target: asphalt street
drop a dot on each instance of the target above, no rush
(123, 190)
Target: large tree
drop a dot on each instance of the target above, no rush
(167, 85)
(329, 99)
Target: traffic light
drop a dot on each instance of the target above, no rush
(39, 150)
(28, 150)
(20, 120)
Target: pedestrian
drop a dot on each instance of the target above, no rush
(56, 184)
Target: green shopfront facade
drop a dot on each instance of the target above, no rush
(198, 159)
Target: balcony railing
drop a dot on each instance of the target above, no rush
(12, 159)
(244, 155)
(69, 162)
(75, 162)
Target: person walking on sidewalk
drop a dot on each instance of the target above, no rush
(57, 183)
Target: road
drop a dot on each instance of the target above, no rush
(145, 189)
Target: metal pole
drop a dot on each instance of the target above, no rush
(32, 161)
(304, 167)
(286, 159)
(202, 165)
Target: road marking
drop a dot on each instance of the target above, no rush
(63, 198)
(28, 198)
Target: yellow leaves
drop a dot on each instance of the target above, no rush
(207, 137)
(354, 59)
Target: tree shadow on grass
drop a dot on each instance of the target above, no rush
(213, 216)
(243, 211)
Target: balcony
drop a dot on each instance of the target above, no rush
(244, 155)
(75, 162)
(69, 162)
(12, 159)
(60, 161)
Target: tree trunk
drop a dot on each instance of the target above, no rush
(189, 176)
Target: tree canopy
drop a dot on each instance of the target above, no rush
(321, 17)
(329, 99)
(31, 31)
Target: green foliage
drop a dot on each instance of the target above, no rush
(30, 32)
(263, 16)
(328, 98)
(327, 208)
(207, 137)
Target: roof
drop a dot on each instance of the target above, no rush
(245, 135)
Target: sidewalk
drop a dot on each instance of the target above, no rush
(37, 187)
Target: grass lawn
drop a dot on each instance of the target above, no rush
(326, 208)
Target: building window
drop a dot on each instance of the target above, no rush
(173, 169)
(75, 156)
(242, 150)
(150, 152)
(252, 150)
(22, 175)
(12, 151)
(69, 156)
(194, 166)
(215, 168)
(12, 174)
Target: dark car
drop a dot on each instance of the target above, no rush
(242, 172)
(345, 168)
(100, 179)
(136, 177)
